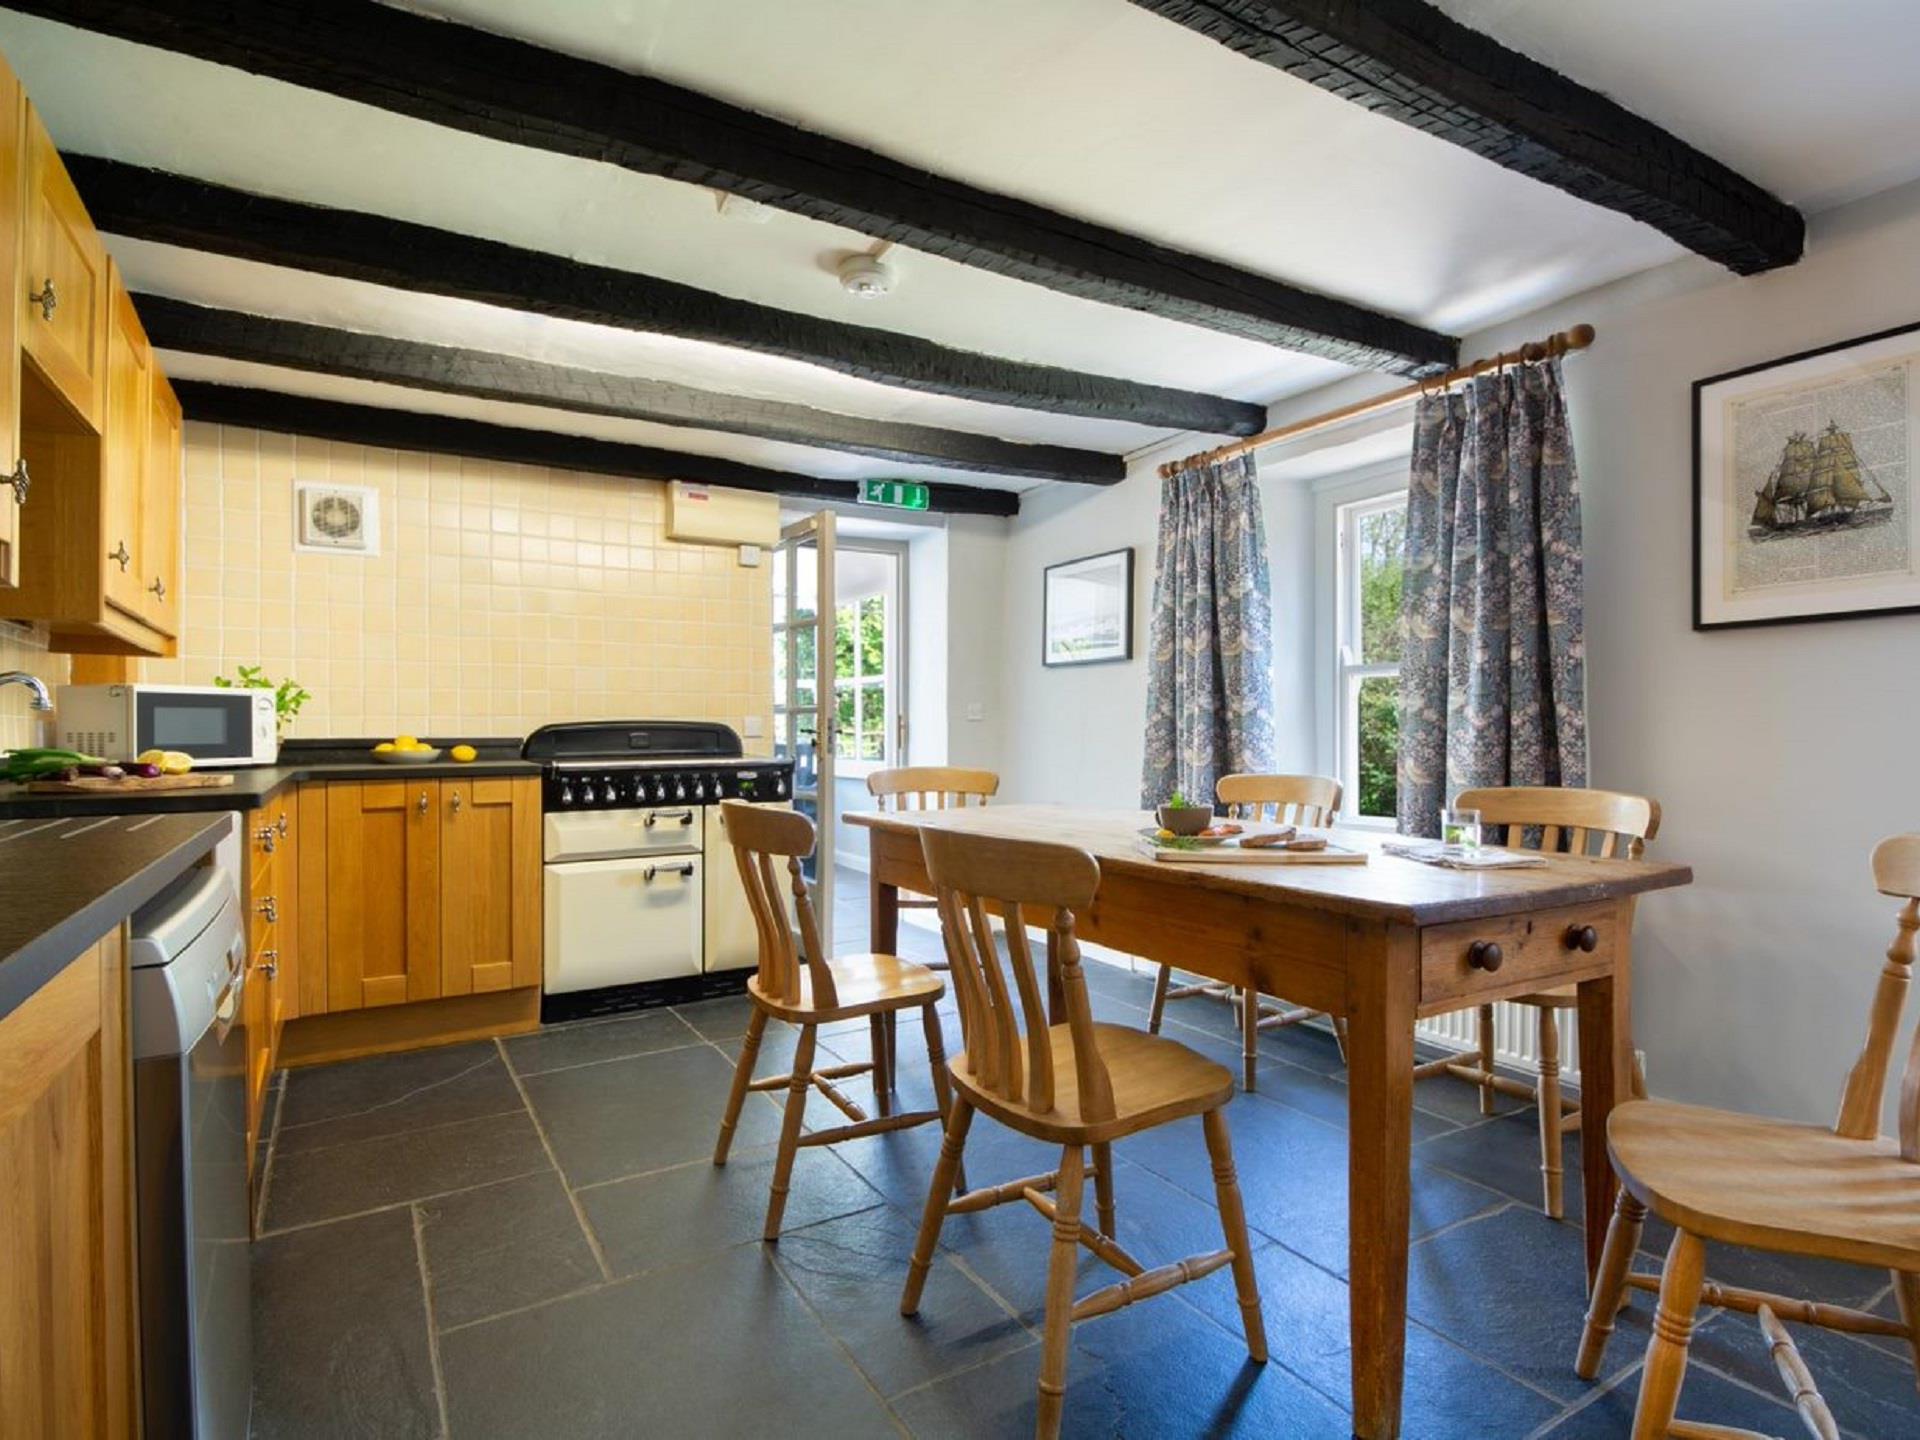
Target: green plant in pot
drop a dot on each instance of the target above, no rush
(288, 695)
(1183, 817)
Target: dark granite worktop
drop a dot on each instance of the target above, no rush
(66, 882)
(253, 786)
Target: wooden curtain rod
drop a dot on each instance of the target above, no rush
(1578, 338)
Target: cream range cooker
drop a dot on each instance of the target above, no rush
(643, 902)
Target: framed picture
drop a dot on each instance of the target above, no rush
(1087, 610)
(1803, 486)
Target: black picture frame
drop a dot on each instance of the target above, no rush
(1123, 557)
(1700, 389)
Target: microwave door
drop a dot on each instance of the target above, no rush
(207, 726)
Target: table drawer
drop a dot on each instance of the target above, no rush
(1536, 951)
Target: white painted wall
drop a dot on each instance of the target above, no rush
(1780, 755)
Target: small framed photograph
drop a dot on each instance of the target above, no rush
(1087, 610)
(1803, 486)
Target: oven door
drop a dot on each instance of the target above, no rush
(616, 922)
(209, 724)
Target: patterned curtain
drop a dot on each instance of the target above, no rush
(1493, 673)
(1210, 655)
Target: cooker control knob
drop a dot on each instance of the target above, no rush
(566, 793)
(699, 787)
(716, 786)
(680, 789)
(587, 794)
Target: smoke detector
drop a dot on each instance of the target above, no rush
(865, 277)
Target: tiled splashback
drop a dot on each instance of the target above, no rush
(24, 647)
(503, 596)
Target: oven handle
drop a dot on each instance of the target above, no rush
(685, 871)
(653, 818)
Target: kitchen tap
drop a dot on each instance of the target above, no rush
(41, 700)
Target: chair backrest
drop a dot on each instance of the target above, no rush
(1311, 800)
(1604, 824)
(931, 787)
(1030, 883)
(1896, 872)
(761, 836)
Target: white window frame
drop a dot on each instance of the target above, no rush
(892, 678)
(1348, 669)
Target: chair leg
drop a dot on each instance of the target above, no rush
(1158, 1010)
(790, 1131)
(1062, 1264)
(1666, 1364)
(1906, 1292)
(879, 1035)
(1103, 1187)
(942, 1081)
(1233, 1225)
(1486, 1059)
(1249, 1036)
(742, 1075)
(935, 1214)
(1340, 1035)
(1610, 1284)
(1548, 1094)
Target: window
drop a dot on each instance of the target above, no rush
(1372, 539)
(860, 680)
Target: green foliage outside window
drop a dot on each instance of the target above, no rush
(1382, 562)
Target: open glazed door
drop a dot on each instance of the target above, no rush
(803, 692)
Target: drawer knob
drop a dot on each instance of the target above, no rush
(1583, 937)
(1486, 955)
(44, 298)
(270, 909)
(266, 837)
(280, 825)
(270, 963)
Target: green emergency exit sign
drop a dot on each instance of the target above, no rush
(895, 494)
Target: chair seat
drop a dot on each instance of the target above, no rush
(1772, 1184)
(864, 985)
(1154, 1080)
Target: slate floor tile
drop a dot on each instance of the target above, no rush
(646, 1112)
(340, 1333)
(390, 1094)
(673, 1216)
(1871, 1391)
(316, 1185)
(1705, 1396)
(1504, 1154)
(584, 1042)
(851, 1271)
(501, 1246)
(720, 1348)
(723, 1018)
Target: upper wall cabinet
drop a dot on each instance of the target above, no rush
(15, 480)
(65, 294)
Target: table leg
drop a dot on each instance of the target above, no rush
(1606, 1060)
(883, 916)
(1382, 990)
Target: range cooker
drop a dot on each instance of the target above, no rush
(643, 901)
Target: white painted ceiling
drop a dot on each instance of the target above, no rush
(1093, 107)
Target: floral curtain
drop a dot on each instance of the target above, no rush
(1492, 676)
(1210, 653)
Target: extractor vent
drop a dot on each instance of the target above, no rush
(339, 518)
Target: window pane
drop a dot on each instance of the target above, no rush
(873, 722)
(873, 635)
(1381, 554)
(843, 699)
(804, 641)
(1377, 729)
(845, 621)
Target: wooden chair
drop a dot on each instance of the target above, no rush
(1559, 820)
(927, 787)
(1808, 1402)
(1309, 801)
(1075, 1084)
(802, 986)
(1844, 1193)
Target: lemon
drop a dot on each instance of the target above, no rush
(406, 742)
(175, 762)
(464, 753)
(385, 747)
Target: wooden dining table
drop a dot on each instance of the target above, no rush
(1381, 945)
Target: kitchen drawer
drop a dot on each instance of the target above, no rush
(267, 905)
(614, 922)
(1537, 951)
(603, 834)
(266, 828)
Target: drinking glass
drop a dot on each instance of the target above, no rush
(1460, 829)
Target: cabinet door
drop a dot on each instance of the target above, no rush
(383, 893)
(63, 300)
(490, 884)
(66, 1229)
(13, 479)
(160, 503)
(124, 461)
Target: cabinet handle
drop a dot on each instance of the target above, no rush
(456, 802)
(423, 802)
(158, 588)
(44, 298)
(266, 838)
(121, 555)
(270, 963)
(271, 910)
(21, 481)
(653, 870)
(281, 825)
(1485, 955)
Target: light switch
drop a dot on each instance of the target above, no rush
(976, 711)
(750, 556)
(754, 727)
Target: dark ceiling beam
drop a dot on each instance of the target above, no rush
(175, 210)
(377, 425)
(509, 90)
(1409, 61)
(485, 375)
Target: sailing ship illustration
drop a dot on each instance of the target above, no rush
(1818, 486)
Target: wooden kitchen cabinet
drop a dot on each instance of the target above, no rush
(124, 479)
(67, 1324)
(162, 500)
(490, 884)
(383, 892)
(15, 480)
(271, 842)
(63, 303)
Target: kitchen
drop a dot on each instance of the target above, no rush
(567, 572)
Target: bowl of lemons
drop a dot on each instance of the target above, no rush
(406, 750)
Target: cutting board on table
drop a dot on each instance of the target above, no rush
(129, 785)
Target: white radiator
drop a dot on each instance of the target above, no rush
(1516, 1037)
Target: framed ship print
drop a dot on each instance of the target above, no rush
(1087, 610)
(1803, 486)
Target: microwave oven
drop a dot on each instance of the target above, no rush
(215, 726)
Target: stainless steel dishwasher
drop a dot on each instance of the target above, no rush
(190, 1153)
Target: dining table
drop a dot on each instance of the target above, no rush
(1381, 944)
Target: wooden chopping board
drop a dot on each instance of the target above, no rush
(129, 785)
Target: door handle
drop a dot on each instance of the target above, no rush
(456, 802)
(684, 871)
(423, 802)
(44, 298)
(281, 825)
